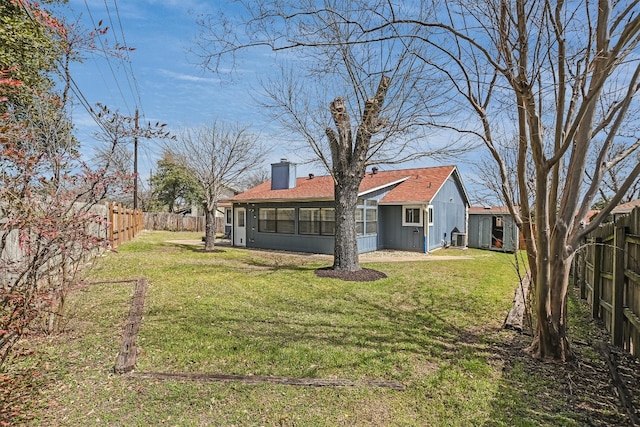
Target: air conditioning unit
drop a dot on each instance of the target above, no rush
(459, 240)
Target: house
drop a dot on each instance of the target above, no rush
(624, 209)
(418, 209)
(492, 227)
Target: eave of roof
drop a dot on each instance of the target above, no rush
(479, 210)
(626, 207)
(414, 186)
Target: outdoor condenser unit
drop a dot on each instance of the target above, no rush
(459, 240)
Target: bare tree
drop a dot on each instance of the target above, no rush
(615, 175)
(219, 156)
(255, 177)
(563, 76)
(380, 90)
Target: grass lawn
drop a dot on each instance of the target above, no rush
(434, 326)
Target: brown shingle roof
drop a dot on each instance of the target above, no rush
(626, 207)
(418, 185)
(493, 210)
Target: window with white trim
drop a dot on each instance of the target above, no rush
(366, 217)
(411, 216)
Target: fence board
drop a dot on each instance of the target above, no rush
(610, 278)
(178, 222)
(124, 224)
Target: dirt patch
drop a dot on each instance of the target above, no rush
(362, 275)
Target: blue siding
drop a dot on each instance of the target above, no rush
(368, 243)
(449, 212)
(395, 236)
(285, 242)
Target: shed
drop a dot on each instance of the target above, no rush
(493, 228)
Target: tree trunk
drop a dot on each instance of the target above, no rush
(550, 340)
(345, 256)
(209, 230)
(349, 157)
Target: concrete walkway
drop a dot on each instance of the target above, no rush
(369, 257)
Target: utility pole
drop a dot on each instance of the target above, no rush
(135, 162)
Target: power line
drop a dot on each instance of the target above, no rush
(72, 83)
(106, 56)
(133, 76)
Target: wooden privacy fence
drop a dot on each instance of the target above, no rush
(124, 224)
(177, 222)
(607, 270)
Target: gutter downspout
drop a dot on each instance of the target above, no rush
(425, 227)
(466, 226)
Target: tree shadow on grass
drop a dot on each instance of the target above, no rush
(415, 342)
(534, 392)
(196, 248)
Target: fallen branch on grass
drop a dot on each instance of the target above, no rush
(259, 379)
(515, 319)
(128, 351)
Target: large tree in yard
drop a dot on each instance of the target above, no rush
(563, 76)
(218, 157)
(380, 91)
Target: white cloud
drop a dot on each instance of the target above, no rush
(187, 77)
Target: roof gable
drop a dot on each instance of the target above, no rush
(408, 186)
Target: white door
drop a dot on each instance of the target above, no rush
(240, 228)
(485, 232)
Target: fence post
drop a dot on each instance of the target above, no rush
(617, 313)
(597, 265)
(120, 224)
(581, 268)
(129, 225)
(112, 224)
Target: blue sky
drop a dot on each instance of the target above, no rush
(162, 79)
(165, 82)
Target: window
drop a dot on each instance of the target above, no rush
(359, 221)
(267, 220)
(309, 221)
(411, 216)
(327, 221)
(371, 221)
(240, 220)
(285, 220)
(228, 217)
(366, 217)
(276, 220)
(317, 221)
(430, 214)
